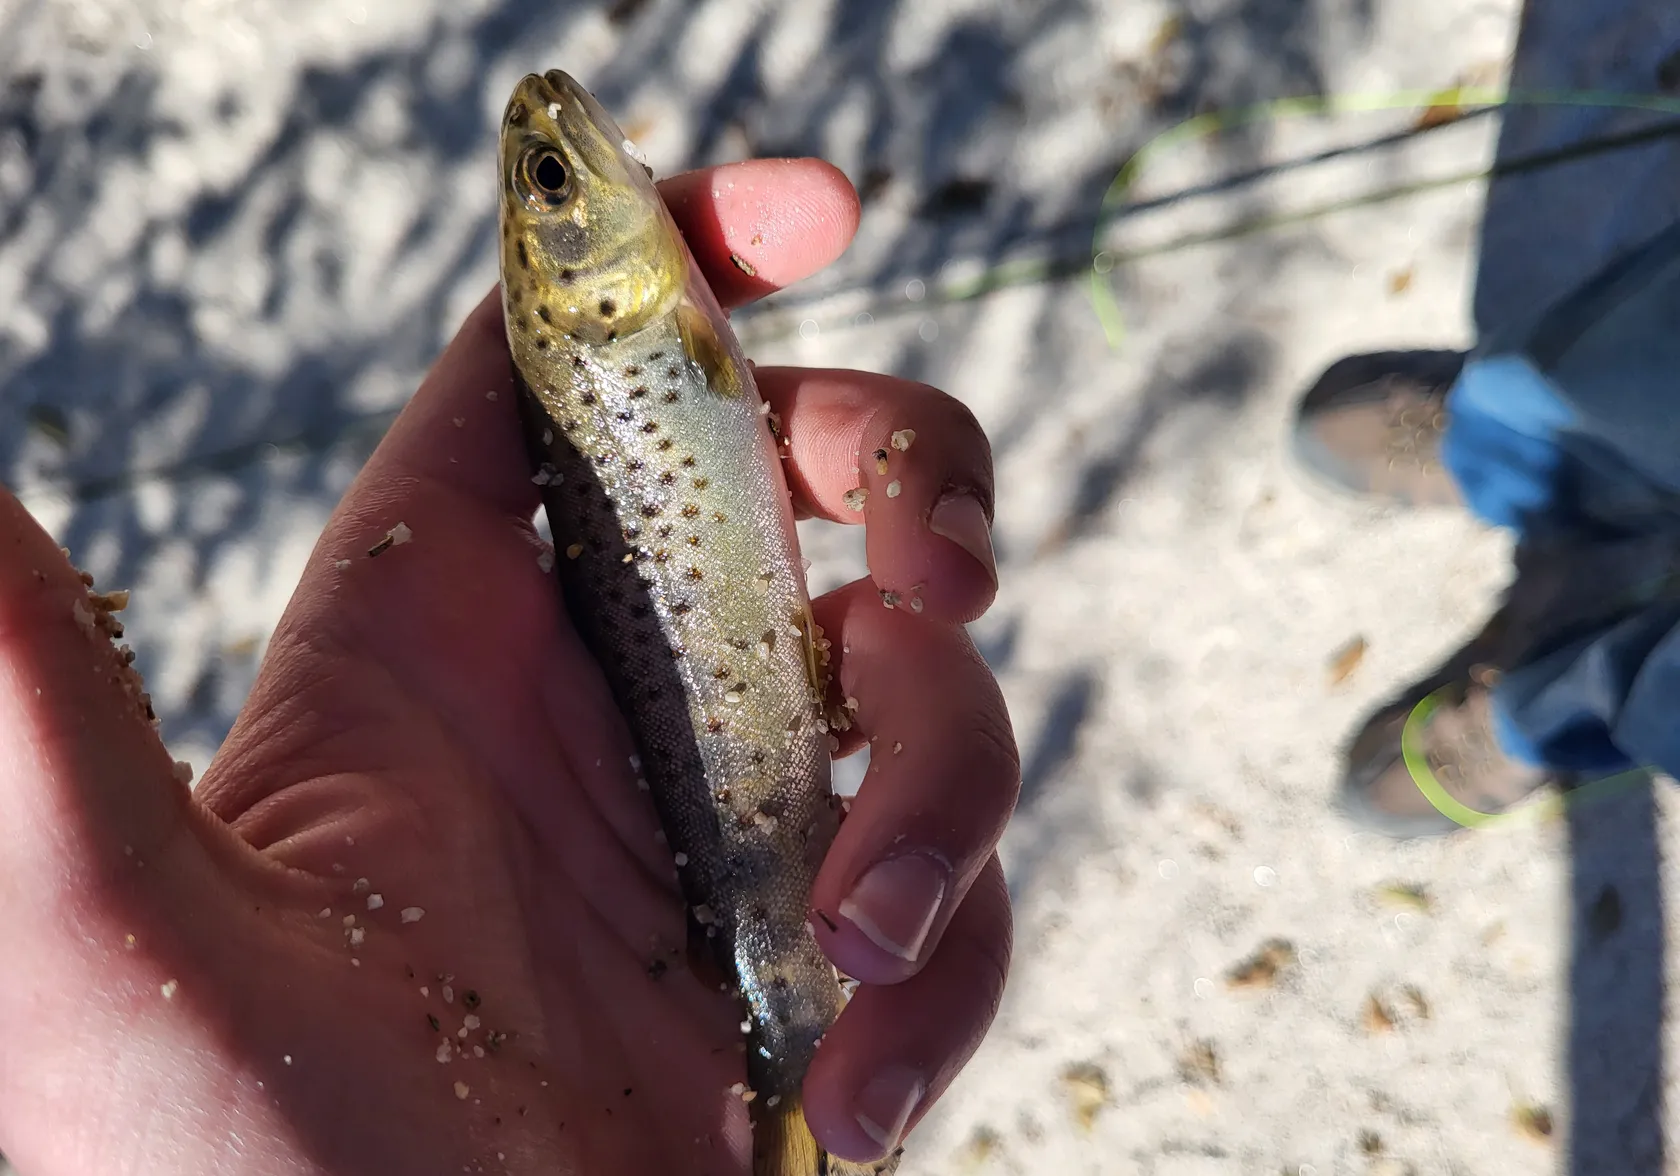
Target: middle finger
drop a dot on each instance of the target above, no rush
(910, 463)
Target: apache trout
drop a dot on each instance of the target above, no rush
(679, 564)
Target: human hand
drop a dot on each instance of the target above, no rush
(188, 993)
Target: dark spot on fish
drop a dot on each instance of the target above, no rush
(638, 392)
(671, 398)
(633, 370)
(569, 426)
(662, 556)
(577, 358)
(542, 313)
(567, 275)
(611, 335)
(664, 444)
(702, 483)
(719, 517)
(541, 344)
(673, 371)
(681, 608)
(714, 724)
(650, 510)
(688, 462)
(656, 357)
(633, 465)
(626, 416)
(665, 531)
(631, 534)
(524, 254)
(516, 296)
(757, 756)
(666, 478)
(586, 398)
(608, 307)
(676, 652)
(690, 511)
(721, 673)
(694, 573)
(651, 427)
(694, 541)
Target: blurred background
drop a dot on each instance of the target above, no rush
(235, 233)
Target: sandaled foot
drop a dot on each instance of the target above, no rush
(1372, 426)
(1455, 741)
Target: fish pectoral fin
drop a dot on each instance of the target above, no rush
(784, 1146)
(816, 657)
(702, 344)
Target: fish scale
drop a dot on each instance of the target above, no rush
(679, 564)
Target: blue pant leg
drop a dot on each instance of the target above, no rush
(1574, 444)
(1502, 444)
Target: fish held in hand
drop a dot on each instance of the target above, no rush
(663, 487)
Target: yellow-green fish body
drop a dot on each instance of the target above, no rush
(674, 539)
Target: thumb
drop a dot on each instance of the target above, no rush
(87, 790)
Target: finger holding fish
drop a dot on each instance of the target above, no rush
(757, 226)
(907, 461)
(895, 1048)
(943, 779)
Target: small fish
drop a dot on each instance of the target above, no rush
(682, 571)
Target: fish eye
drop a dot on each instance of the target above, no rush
(547, 174)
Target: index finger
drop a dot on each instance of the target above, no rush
(757, 226)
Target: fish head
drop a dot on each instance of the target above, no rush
(586, 240)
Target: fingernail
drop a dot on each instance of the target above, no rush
(961, 519)
(884, 1106)
(896, 902)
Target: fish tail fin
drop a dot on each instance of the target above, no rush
(784, 1146)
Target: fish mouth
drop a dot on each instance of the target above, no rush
(542, 100)
(560, 82)
(557, 100)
